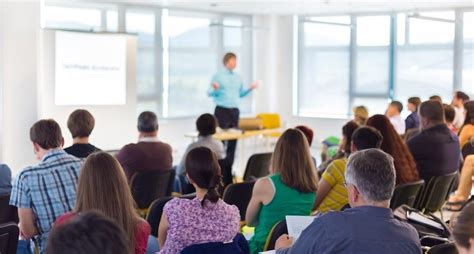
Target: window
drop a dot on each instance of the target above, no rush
(71, 18)
(425, 63)
(324, 66)
(468, 54)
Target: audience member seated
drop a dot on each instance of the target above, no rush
(463, 192)
(449, 115)
(463, 230)
(88, 233)
(206, 125)
(103, 187)
(369, 226)
(413, 120)
(436, 98)
(5, 179)
(459, 99)
(80, 124)
(344, 146)
(206, 218)
(332, 194)
(361, 114)
(436, 149)
(467, 130)
(405, 165)
(290, 190)
(308, 133)
(45, 191)
(149, 153)
(393, 113)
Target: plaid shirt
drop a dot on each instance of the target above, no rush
(49, 189)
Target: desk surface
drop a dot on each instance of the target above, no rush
(234, 134)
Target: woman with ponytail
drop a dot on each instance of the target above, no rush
(207, 218)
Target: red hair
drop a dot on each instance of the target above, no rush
(308, 133)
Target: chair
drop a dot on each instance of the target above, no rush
(151, 185)
(278, 230)
(155, 211)
(257, 166)
(405, 194)
(238, 245)
(445, 248)
(432, 197)
(8, 237)
(239, 194)
(8, 213)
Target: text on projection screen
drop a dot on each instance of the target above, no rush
(90, 69)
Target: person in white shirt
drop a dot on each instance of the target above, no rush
(458, 101)
(393, 113)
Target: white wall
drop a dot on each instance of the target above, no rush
(19, 51)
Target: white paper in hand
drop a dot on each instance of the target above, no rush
(296, 224)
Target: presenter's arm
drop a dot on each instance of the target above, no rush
(244, 92)
(214, 89)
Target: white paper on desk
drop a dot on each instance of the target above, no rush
(296, 224)
(268, 252)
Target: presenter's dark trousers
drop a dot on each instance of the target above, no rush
(228, 118)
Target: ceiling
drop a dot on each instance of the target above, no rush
(290, 7)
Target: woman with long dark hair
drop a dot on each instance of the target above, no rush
(467, 129)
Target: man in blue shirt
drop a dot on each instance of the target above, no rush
(369, 226)
(226, 89)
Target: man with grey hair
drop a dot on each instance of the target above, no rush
(369, 226)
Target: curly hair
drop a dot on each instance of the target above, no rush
(405, 165)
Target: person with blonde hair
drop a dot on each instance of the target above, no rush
(103, 187)
(289, 190)
(361, 114)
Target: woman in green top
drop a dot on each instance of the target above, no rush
(290, 190)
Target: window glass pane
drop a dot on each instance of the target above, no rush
(189, 32)
(373, 31)
(401, 28)
(468, 69)
(143, 23)
(318, 34)
(468, 27)
(232, 33)
(324, 83)
(147, 105)
(372, 71)
(374, 105)
(71, 18)
(432, 31)
(112, 21)
(424, 72)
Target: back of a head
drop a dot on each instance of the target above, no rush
(347, 131)
(462, 96)
(385, 127)
(308, 132)
(367, 137)
(373, 173)
(449, 113)
(103, 187)
(292, 159)
(47, 134)
(147, 122)
(88, 233)
(206, 125)
(361, 113)
(416, 101)
(436, 98)
(80, 123)
(398, 105)
(203, 169)
(463, 229)
(433, 111)
(469, 107)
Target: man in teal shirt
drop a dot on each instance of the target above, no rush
(226, 89)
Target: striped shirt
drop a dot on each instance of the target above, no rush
(49, 189)
(337, 196)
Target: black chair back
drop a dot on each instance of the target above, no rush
(445, 248)
(9, 238)
(468, 148)
(239, 194)
(238, 245)
(151, 185)
(8, 213)
(257, 166)
(405, 194)
(432, 197)
(278, 230)
(156, 211)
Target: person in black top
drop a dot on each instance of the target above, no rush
(81, 123)
(436, 149)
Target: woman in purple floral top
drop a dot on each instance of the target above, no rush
(207, 218)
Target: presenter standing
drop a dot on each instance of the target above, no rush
(226, 89)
